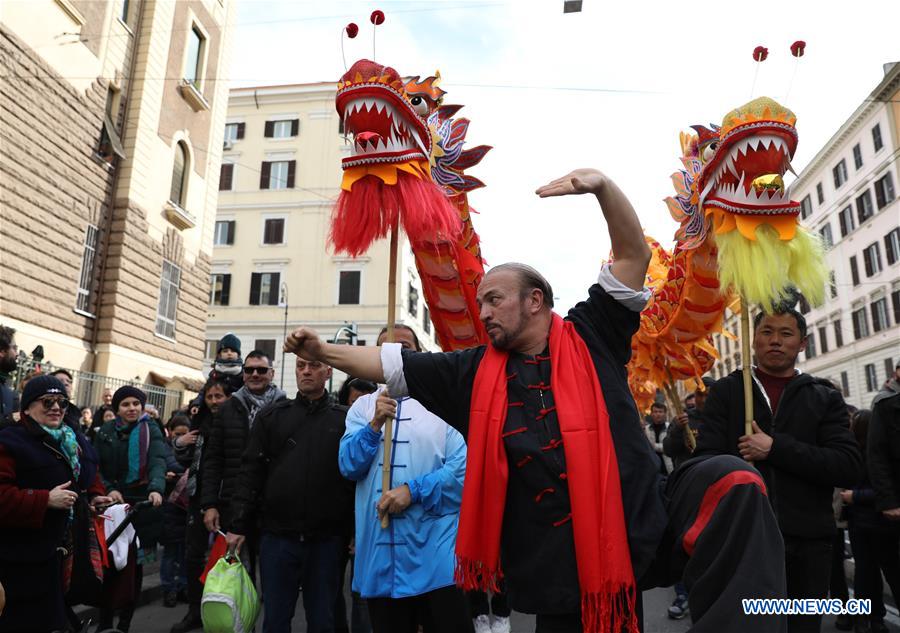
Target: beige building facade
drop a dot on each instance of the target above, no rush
(112, 138)
(272, 269)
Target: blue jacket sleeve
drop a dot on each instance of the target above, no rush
(358, 446)
(440, 491)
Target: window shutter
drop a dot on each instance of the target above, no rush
(226, 289)
(270, 129)
(278, 231)
(226, 174)
(292, 170)
(255, 279)
(867, 262)
(230, 238)
(241, 128)
(854, 270)
(264, 174)
(856, 332)
(295, 127)
(274, 288)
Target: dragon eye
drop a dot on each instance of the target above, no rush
(708, 152)
(420, 105)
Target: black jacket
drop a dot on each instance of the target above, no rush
(290, 475)
(812, 452)
(222, 454)
(884, 452)
(674, 445)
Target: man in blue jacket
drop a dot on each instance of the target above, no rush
(405, 571)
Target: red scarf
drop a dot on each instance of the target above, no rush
(605, 575)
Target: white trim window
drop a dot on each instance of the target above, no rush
(349, 287)
(224, 233)
(166, 311)
(86, 276)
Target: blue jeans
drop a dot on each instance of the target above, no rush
(171, 568)
(286, 564)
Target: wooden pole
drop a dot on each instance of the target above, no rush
(690, 440)
(745, 363)
(392, 315)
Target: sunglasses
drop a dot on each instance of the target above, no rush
(48, 403)
(260, 371)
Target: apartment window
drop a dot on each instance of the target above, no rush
(124, 14)
(825, 234)
(179, 175)
(854, 271)
(895, 300)
(266, 346)
(220, 289)
(845, 384)
(804, 304)
(426, 320)
(234, 132)
(871, 377)
(840, 173)
(820, 193)
(810, 346)
(860, 323)
(110, 144)
(880, 315)
(864, 209)
(273, 231)
(348, 287)
(838, 334)
(168, 299)
(728, 365)
(892, 246)
(857, 156)
(226, 176)
(88, 262)
(888, 368)
(277, 174)
(412, 303)
(264, 289)
(805, 207)
(282, 129)
(224, 233)
(872, 259)
(884, 191)
(209, 349)
(193, 64)
(823, 339)
(832, 285)
(845, 219)
(876, 137)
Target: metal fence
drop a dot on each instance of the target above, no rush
(87, 387)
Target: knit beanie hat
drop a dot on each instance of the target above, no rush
(231, 342)
(40, 386)
(127, 392)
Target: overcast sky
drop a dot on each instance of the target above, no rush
(609, 87)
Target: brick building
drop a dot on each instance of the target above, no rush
(111, 119)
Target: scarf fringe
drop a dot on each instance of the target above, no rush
(612, 611)
(474, 575)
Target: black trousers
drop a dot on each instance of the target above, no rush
(838, 582)
(807, 565)
(874, 552)
(443, 610)
(196, 545)
(478, 603)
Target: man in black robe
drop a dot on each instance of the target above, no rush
(716, 505)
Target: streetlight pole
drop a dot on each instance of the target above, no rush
(352, 334)
(284, 300)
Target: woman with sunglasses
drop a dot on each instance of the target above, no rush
(46, 468)
(133, 467)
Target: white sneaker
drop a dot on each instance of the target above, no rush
(482, 624)
(500, 625)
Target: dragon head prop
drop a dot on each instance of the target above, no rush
(386, 179)
(733, 184)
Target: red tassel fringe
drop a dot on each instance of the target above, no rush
(473, 575)
(609, 612)
(369, 210)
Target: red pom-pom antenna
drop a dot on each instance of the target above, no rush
(352, 30)
(760, 53)
(377, 17)
(798, 48)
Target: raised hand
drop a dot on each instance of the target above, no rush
(574, 183)
(305, 343)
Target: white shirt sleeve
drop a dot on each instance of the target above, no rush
(629, 297)
(392, 365)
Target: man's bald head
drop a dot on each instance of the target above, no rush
(529, 279)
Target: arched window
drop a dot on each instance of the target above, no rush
(179, 175)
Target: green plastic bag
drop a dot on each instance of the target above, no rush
(230, 603)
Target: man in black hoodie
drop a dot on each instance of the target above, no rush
(801, 444)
